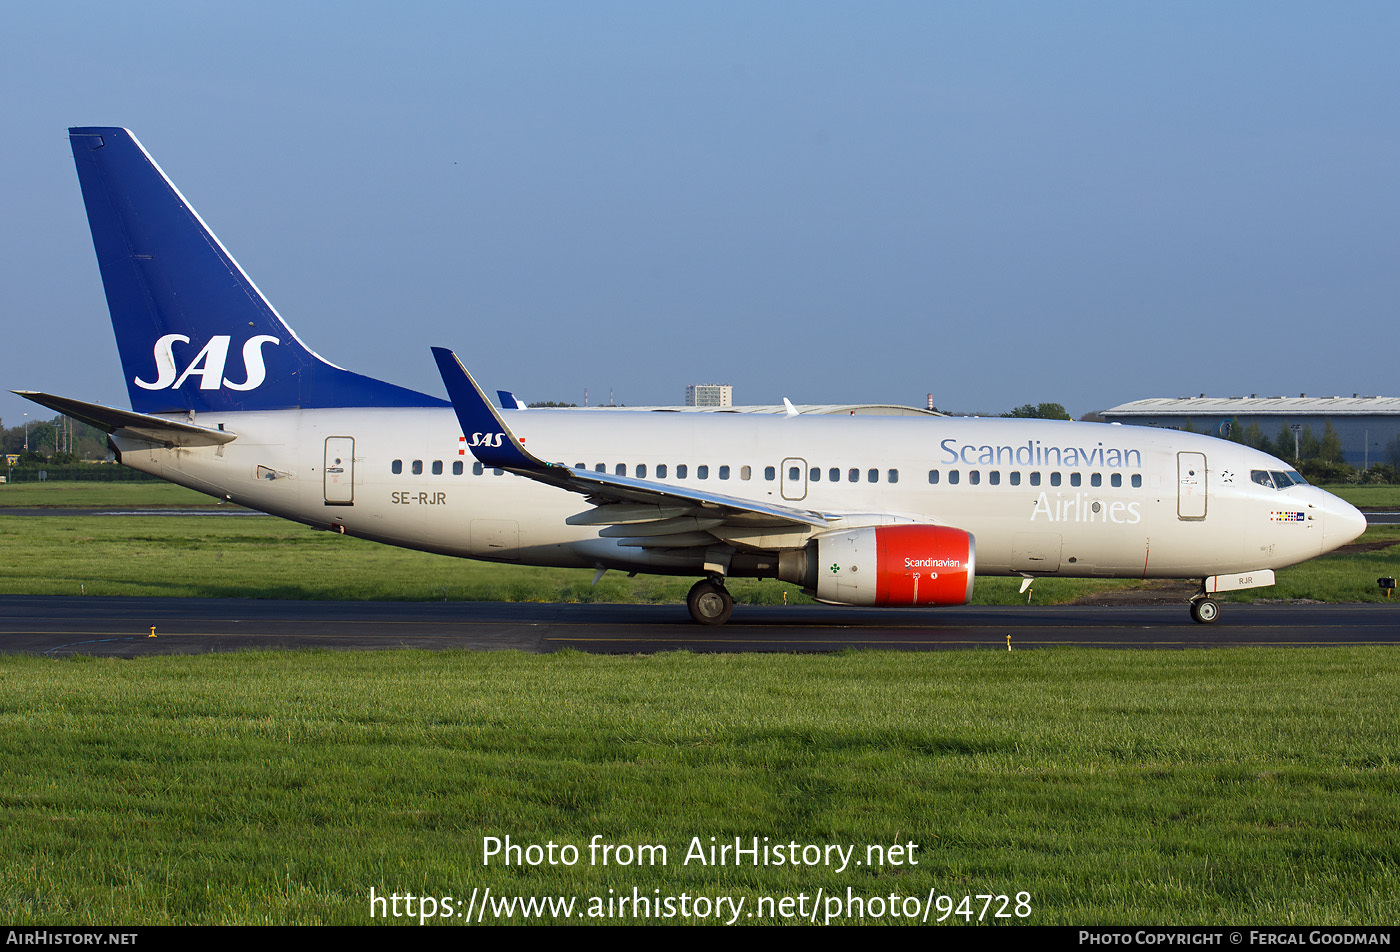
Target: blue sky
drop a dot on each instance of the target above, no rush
(996, 203)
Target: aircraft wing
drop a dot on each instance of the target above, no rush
(141, 426)
(638, 512)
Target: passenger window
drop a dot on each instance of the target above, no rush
(769, 473)
(894, 475)
(833, 474)
(815, 475)
(745, 473)
(1074, 479)
(497, 471)
(418, 467)
(1096, 479)
(975, 477)
(437, 467)
(702, 472)
(1116, 480)
(1016, 478)
(580, 466)
(476, 469)
(1054, 479)
(456, 467)
(1035, 479)
(1137, 480)
(873, 476)
(641, 470)
(681, 470)
(660, 470)
(396, 467)
(952, 477)
(794, 473)
(853, 475)
(600, 467)
(724, 472)
(933, 477)
(620, 469)
(994, 477)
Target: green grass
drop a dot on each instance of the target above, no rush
(263, 557)
(105, 495)
(1367, 497)
(1227, 786)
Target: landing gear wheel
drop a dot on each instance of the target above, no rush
(709, 602)
(1204, 611)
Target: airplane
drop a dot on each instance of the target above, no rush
(858, 510)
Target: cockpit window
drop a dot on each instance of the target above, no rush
(1274, 479)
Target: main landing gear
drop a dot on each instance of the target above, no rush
(710, 602)
(1204, 611)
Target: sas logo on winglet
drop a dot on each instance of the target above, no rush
(208, 364)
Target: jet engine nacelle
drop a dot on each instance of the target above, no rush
(896, 565)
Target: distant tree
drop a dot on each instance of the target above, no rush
(1321, 471)
(546, 404)
(1286, 443)
(1039, 411)
(1330, 447)
(1379, 473)
(88, 442)
(1253, 436)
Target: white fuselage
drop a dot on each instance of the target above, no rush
(1040, 497)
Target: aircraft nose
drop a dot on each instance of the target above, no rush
(1342, 522)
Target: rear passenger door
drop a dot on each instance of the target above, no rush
(339, 471)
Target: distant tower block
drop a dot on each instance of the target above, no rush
(709, 395)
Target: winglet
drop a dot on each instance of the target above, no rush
(509, 401)
(488, 437)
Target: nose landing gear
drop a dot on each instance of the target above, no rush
(1204, 611)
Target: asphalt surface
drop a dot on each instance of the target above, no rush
(121, 627)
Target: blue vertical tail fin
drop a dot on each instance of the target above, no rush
(193, 330)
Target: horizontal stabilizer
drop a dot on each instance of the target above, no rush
(141, 426)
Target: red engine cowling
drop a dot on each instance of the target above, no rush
(896, 565)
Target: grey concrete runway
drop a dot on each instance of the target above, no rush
(120, 627)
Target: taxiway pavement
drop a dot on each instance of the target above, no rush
(121, 627)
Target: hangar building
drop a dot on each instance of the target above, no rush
(1368, 426)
